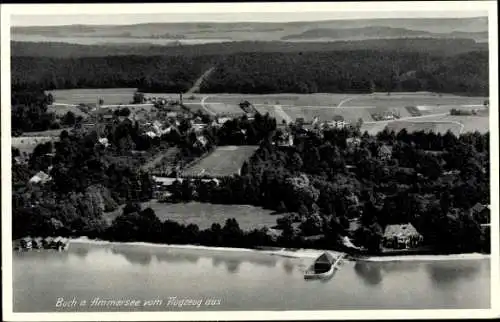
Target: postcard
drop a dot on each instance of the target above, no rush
(235, 161)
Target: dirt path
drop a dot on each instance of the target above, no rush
(199, 81)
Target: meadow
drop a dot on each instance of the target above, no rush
(224, 161)
(205, 214)
(92, 96)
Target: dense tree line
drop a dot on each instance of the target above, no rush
(148, 74)
(29, 111)
(362, 71)
(66, 50)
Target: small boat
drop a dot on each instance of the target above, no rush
(323, 267)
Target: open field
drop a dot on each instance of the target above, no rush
(224, 161)
(327, 113)
(350, 106)
(411, 99)
(225, 109)
(205, 214)
(318, 99)
(91, 95)
(437, 123)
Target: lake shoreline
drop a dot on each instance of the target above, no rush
(284, 252)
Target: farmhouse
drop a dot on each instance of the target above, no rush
(41, 178)
(401, 236)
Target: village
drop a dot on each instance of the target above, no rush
(157, 116)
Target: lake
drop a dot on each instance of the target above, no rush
(157, 278)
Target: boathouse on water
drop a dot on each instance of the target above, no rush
(324, 262)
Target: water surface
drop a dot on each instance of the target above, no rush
(234, 280)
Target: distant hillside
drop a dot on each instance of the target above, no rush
(380, 33)
(64, 50)
(252, 31)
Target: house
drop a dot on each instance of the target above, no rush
(222, 120)
(104, 141)
(385, 152)
(401, 236)
(41, 177)
(353, 142)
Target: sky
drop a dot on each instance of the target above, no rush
(128, 19)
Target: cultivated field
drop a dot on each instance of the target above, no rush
(92, 96)
(327, 113)
(350, 106)
(224, 161)
(224, 109)
(411, 99)
(205, 214)
(435, 123)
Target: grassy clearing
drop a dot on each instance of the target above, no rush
(92, 96)
(327, 113)
(402, 100)
(224, 161)
(205, 214)
(470, 123)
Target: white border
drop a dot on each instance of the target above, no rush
(45, 9)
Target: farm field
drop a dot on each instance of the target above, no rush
(470, 123)
(326, 100)
(224, 161)
(327, 113)
(205, 214)
(406, 99)
(91, 95)
(225, 109)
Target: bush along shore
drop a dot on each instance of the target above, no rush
(328, 184)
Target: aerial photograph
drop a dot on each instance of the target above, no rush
(250, 161)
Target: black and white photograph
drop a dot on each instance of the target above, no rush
(235, 160)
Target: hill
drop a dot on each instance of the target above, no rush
(244, 31)
(380, 33)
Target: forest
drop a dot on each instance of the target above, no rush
(66, 50)
(349, 71)
(149, 74)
